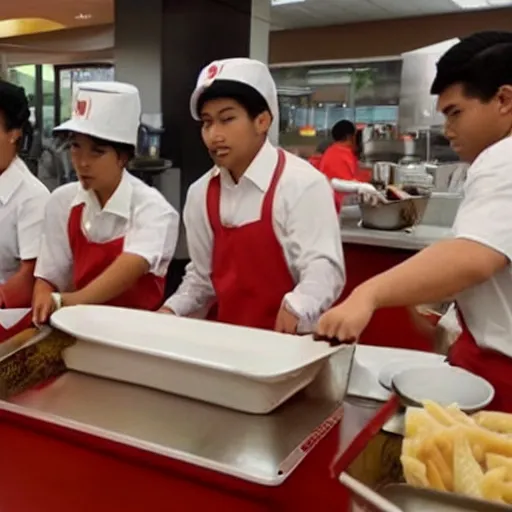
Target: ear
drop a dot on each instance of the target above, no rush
(15, 135)
(263, 122)
(122, 160)
(504, 97)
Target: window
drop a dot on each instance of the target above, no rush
(313, 98)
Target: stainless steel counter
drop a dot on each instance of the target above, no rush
(418, 238)
(261, 449)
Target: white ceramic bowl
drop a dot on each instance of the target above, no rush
(445, 385)
(394, 368)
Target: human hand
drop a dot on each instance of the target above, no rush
(286, 322)
(43, 305)
(166, 311)
(368, 194)
(347, 321)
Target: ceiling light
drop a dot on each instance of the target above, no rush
(471, 4)
(478, 4)
(275, 3)
(82, 16)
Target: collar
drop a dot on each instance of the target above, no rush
(11, 179)
(119, 204)
(260, 170)
(344, 147)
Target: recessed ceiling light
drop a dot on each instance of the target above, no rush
(478, 4)
(275, 3)
(83, 16)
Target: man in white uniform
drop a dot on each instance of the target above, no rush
(474, 85)
(262, 230)
(22, 202)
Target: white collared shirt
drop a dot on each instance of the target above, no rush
(485, 216)
(22, 202)
(137, 212)
(305, 223)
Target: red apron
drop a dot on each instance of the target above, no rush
(91, 259)
(250, 274)
(24, 323)
(493, 366)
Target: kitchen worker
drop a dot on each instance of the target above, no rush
(108, 238)
(22, 201)
(340, 159)
(316, 157)
(474, 88)
(262, 231)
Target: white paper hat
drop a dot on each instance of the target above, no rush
(246, 71)
(107, 110)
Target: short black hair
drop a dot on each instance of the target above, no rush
(119, 147)
(248, 97)
(343, 130)
(14, 106)
(481, 63)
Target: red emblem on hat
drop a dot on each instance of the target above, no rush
(82, 108)
(212, 72)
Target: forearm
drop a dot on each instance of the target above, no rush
(119, 277)
(320, 286)
(195, 293)
(439, 271)
(17, 291)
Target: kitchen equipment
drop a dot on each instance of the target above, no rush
(410, 171)
(445, 385)
(148, 144)
(417, 107)
(383, 174)
(370, 362)
(132, 425)
(411, 499)
(394, 368)
(250, 370)
(405, 498)
(394, 215)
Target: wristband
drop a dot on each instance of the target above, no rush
(57, 300)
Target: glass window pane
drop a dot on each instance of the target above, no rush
(313, 98)
(25, 76)
(48, 100)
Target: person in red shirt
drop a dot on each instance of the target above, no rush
(340, 161)
(316, 158)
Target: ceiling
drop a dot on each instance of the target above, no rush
(70, 13)
(82, 13)
(310, 13)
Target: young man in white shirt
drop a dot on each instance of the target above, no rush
(108, 238)
(474, 85)
(262, 230)
(22, 202)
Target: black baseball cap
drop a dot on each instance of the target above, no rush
(13, 105)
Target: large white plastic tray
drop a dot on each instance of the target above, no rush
(244, 369)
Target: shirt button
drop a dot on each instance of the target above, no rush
(87, 226)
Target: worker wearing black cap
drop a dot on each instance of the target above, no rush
(22, 202)
(474, 89)
(262, 230)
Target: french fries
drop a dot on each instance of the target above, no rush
(447, 450)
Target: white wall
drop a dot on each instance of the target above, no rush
(138, 49)
(260, 30)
